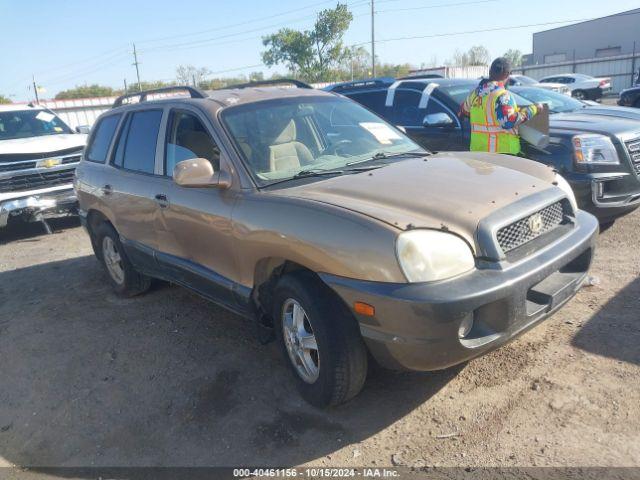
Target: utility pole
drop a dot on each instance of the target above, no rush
(373, 40)
(125, 84)
(35, 88)
(194, 80)
(136, 63)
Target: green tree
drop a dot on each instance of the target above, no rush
(4, 100)
(311, 54)
(86, 91)
(514, 56)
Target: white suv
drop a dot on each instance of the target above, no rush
(583, 87)
(38, 157)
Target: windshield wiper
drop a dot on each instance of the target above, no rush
(384, 155)
(316, 173)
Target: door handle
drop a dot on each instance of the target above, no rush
(107, 189)
(162, 200)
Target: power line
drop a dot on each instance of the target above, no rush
(442, 5)
(247, 22)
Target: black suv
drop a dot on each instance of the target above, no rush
(596, 148)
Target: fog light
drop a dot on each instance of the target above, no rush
(465, 326)
(599, 189)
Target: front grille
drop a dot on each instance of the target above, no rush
(633, 147)
(531, 227)
(33, 181)
(25, 165)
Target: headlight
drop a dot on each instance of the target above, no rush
(566, 188)
(593, 149)
(429, 255)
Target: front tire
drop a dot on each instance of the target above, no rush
(320, 340)
(124, 278)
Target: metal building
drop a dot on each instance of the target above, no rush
(609, 36)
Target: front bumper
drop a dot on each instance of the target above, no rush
(38, 204)
(605, 195)
(415, 326)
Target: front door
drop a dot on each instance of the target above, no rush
(194, 224)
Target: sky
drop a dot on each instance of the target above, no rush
(65, 43)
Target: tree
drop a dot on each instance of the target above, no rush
(476, 55)
(86, 91)
(4, 100)
(187, 74)
(514, 56)
(311, 54)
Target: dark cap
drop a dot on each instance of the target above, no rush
(499, 67)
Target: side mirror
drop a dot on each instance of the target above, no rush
(83, 129)
(437, 120)
(199, 173)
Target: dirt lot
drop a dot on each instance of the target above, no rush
(168, 379)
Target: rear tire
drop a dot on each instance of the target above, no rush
(336, 370)
(580, 95)
(124, 278)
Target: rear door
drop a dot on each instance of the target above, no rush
(194, 224)
(129, 186)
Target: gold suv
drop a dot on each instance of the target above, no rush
(305, 212)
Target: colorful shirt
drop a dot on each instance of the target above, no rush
(509, 115)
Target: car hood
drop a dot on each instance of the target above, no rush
(452, 190)
(585, 120)
(42, 144)
(612, 111)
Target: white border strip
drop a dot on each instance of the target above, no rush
(391, 93)
(426, 94)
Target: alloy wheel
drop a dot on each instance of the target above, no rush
(300, 341)
(113, 260)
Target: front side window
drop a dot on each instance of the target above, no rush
(30, 123)
(101, 139)
(281, 138)
(136, 148)
(188, 138)
(372, 100)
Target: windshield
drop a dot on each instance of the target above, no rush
(524, 80)
(30, 123)
(557, 102)
(460, 91)
(286, 138)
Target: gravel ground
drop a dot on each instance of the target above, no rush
(168, 379)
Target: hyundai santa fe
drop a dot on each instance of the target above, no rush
(301, 210)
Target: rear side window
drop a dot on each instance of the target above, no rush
(102, 137)
(137, 144)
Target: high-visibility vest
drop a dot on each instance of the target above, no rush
(486, 133)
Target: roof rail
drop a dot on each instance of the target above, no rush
(368, 82)
(194, 92)
(261, 83)
(422, 76)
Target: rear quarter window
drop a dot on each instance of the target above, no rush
(101, 140)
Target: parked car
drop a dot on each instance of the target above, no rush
(427, 111)
(304, 210)
(583, 87)
(630, 97)
(524, 81)
(38, 155)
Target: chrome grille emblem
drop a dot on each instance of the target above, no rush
(535, 223)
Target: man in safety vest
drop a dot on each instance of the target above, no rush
(494, 114)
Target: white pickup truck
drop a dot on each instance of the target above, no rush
(38, 157)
